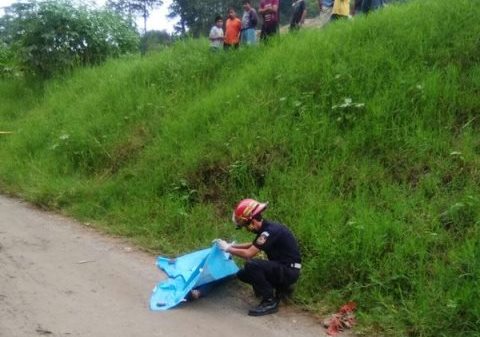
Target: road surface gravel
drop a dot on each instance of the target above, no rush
(61, 278)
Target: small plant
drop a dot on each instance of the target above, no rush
(181, 190)
(347, 112)
(461, 216)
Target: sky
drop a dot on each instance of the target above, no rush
(156, 21)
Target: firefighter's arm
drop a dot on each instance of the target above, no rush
(242, 245)
(246, 253)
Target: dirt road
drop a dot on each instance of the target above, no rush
(60, 278)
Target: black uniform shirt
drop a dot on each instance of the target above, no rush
(278, 243)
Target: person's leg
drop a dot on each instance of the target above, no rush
(325, 15)
(268, 32)
(366, 6)
(257, 273)
(276, 29)
(264, 276)
(251, 36)
(263, 34)
(284, 287)
(336, 17)
(358, 7)
(244, 38)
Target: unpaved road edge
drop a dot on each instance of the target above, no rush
(59, 278)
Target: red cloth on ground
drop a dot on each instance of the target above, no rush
(344, 318)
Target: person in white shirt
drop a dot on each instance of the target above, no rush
(216, 36)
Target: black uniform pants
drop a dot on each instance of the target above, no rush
(265, 276)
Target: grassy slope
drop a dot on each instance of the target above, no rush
(383, 192)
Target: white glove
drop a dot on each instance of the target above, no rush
(223, 245)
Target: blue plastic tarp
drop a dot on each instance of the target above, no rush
(188, 272)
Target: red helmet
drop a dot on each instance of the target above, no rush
(246, 210)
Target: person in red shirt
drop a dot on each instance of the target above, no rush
(269, 11)
(233, 27)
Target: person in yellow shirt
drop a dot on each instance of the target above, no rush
(341, 10)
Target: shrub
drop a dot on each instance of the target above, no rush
(49, 37)
(6, 60)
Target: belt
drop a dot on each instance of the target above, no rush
(295, 265)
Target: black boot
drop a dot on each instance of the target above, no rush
(267, 306)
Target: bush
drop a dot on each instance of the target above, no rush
(6, 60)
(54, 36)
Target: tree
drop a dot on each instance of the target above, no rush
(198, 16)
(7, 66)
(131, 8)
(182, 10)
(156, 40)
(54, 36)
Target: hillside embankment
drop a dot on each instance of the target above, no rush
(363, 136)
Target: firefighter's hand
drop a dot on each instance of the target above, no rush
(223, 245)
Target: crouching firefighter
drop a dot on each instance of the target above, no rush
(271, 279)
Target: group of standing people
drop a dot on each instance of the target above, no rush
(244, 31)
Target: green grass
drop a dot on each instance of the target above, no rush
(363, 136)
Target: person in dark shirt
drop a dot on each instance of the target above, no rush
(366, 6)
(298, 15)
(271, 279)
(249, 24)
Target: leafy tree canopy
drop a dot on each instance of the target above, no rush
(131, 8)
(198, 16)
(49, 37)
